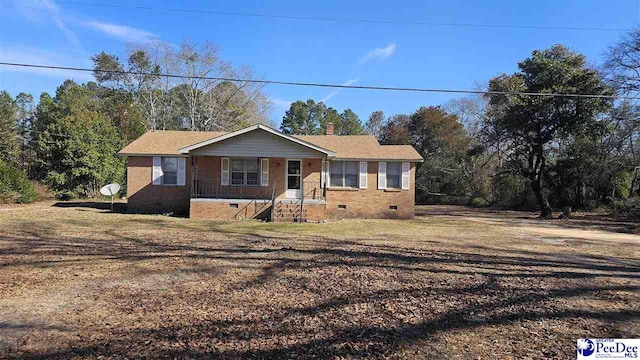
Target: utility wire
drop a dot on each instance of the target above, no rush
(333, 19)
(63, 136)
(322, 85)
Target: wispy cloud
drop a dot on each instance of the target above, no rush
(123, 32)
(379, 53)
(280, 103)
(48, 10)
(336, 91)
(70, 35)
(39, 56)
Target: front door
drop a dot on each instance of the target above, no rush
(294, 179)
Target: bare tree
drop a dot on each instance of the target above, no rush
(470, 110)
(374, 124)
(209, 94)
(622, 64)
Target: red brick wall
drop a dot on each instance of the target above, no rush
(218, 210)
(222, 210)
(142, 196)
(371, 202)
(360, 203)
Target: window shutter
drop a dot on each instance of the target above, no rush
(363, 174)
(224, 171)
(406, 175)
(182, 171)
(264, 177)
(382, 175)
(323, 173)
(156, 173)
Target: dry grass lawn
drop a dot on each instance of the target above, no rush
(79, 282)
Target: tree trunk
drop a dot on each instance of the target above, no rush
(545, 209)
(537, 167)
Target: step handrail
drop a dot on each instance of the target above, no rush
(273, 200)
(302, 201)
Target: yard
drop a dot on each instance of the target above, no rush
(76, 281)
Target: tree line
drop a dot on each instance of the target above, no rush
(510, 150)
(513, 150)
(69, 140)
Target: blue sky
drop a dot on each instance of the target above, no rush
(456, 57)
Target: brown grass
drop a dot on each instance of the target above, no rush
(453, 283)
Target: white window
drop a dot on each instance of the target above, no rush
(394, 174)
(343, 174)
(244, 172)
(169, 171)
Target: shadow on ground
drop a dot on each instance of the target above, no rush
(578, 221)
(118, 207)
(261, 296)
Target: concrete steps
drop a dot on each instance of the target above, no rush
(288, 212)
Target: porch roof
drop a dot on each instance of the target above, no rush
(258, 127)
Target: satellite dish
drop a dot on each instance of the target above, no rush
(110, 190)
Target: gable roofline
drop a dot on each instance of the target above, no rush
(187, 149)
(401, 159)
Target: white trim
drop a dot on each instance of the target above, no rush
(382, 175)
(225, 175)
(362, 174)
(323, 173)
(182, 172)
(264, 172)
(156, 171)
(286, 178)
(405, 176)
(187, 149)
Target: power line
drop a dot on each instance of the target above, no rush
(323, 85)
(333, 19)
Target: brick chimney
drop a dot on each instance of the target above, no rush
(329, 130)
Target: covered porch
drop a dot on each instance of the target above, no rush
(273, 189)
(256, 178)
(244, 173)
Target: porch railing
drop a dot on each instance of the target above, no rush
(313, 190)
(215, 190)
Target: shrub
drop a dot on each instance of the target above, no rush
(81, 162)
(443, 200)
(479, 202)
(628, 207)
(15, 187)
(513, 192)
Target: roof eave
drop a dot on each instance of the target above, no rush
(148, 155)
(378, 159)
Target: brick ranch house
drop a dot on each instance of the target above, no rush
(258, 172)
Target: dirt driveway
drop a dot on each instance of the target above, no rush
(79, 282)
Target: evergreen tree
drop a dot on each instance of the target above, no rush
(533, 124)
(350, 123)
(76, 144)
(9, 140)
